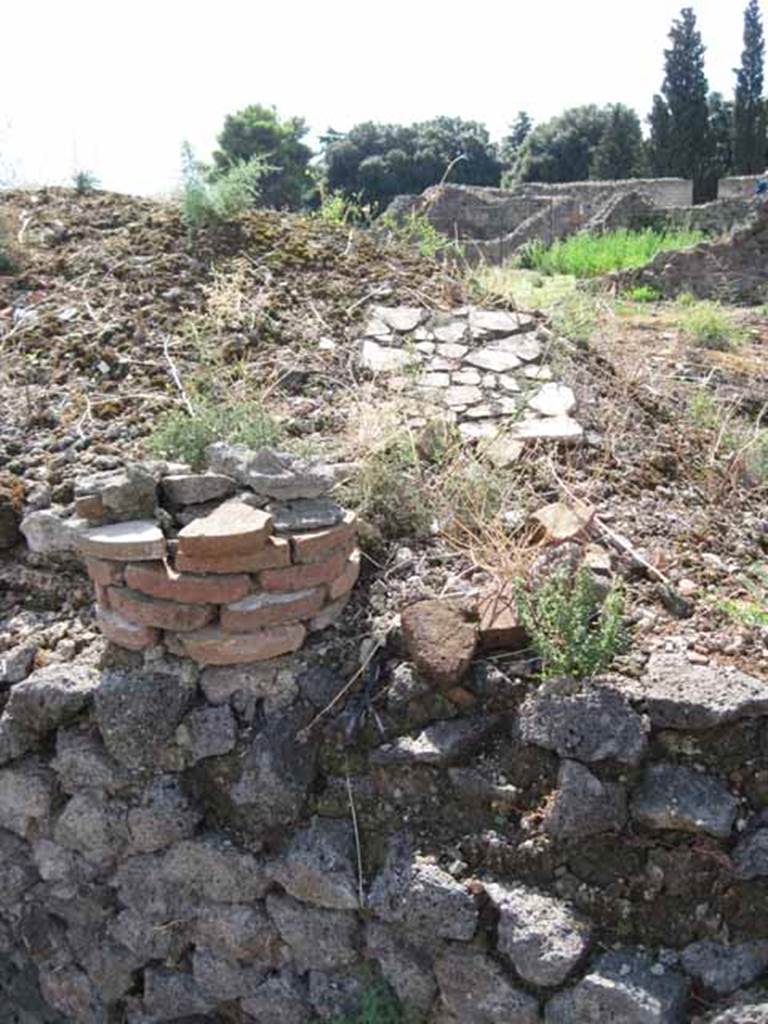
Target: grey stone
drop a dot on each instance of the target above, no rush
(57, 864)
(722, 969)
(224, 979)
(440, 379)
(676, 694)
(384, 359)
(166, 815)
(476, 990)
(319, 685)
(462, 395)
(169, 995)
(473, 787)
(585, 723)
(492, 321)
(195, 488)
(334, 994)
(469, 378)
(238, 931)
(110, 968)
(543, 937)
(494, 359)
(17, 870)
(211, 869)
(137, 714)
(625, 986)
(26, 794)
(673, 797)
(68, 989)
(272, 681)
(16, 663)
(583, 805)
(550, 428)
(47, 533)
(15, 741)
(479, 430)
(309, 514)
(93, 826)
(399, 318)
(51, 696)
(281, 999)
(750, 1010)
(406, 967)
(451, 334)
(125, 494)
(271, 473)
(526, 347)
(82, 761)
(443, 743)
(750, 856)
(141, 936)
(319, 865)
(319, 939)
(412, 891)
(207, 732)
(553, 400)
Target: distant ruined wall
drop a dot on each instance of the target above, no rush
(737, 187)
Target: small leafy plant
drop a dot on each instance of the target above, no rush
(84, 182)
(588, 255)
(377, 1007)
(644, 293)
(752, 610)
(7, 263)
(210, 203)
(708, 325)
(571, 632)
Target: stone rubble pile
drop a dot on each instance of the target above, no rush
(233, 565)
(484, 368)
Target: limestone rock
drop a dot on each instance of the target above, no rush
(16, 663)
(492, 321)
(674, 797)
(383, 359)
(583, 805)
(476, 990)
(722, 969)
(550, 428)
(553, 399)
(402, 319)
(46, 533)
(584, 723)
(559, 522)
(543, 937)
(319, 866)
(494, 359)
(439, 641)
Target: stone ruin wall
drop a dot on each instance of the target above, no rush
(738, 186)
(188, 841)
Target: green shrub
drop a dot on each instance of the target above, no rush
(575, 316)
(644, 293)
(378, 1007)
(84, 182)
(179, 435)
(417, 230)
(571, 632)
(751, 611)
(587, 255)
(708, 325)
(210, 203)
(338, 208)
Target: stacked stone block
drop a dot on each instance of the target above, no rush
(231, 576)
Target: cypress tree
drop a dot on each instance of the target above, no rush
(749, 110)
(660, 142)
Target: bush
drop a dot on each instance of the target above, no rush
(708, 325)
(378, 1007)
(587, 255)
(572, 634)
(84, 182)
(417, 230)
(7, 262)
(179, 435)
(208, 204)
(644, 293)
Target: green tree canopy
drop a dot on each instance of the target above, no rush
(511, 144)
(379, 161)
(620, 153)
(749, 123)
(257, 131)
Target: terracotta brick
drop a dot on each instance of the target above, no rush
(103, 572)
(139, 540)
(233, 528)
(158, 579)
(301, 577)
(319, 544)
(90, 507)
(151, 611)
(267, 609)
(275, 553)
(102, 595)
(499, 625)
(344, 583)
(119, 631)
(328, 615)
(212, 646)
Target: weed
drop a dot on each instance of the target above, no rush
(525, 288)
(416, 229)
(572, 634)
(575, 316)
(586, 255)
(377, 1007)
(708, 325)
(7, 262)
(84, 182)
(342, 210)
(703, 410)
(644, 293)
(753, 610)
(179, 435)
(210, 203)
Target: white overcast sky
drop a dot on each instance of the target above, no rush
(116, 87)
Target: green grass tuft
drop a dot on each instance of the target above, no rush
(586, 255)
(377, 1007)
(708, 324)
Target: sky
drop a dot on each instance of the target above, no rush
(115, 88)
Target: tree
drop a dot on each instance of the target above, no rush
(721, 128)
(511, 144)
(376, 162)
(621, 151)
(256, 131)
(660, 142)
(563, 148)
(749, 122)
(685, 91)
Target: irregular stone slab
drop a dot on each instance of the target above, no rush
(46, 533)
(317, 545)
(224, 979)
(444, 743)
(461, 395)
(169, 995)
(551, 428)
(207, 732)
(673, 797)
(207, 869)
(212, 646)
(538, 372)
(467, 378)
(452, 334)
(319, 866)
(382, 359)
(307, 514)
(275, 554)
(676, 694)
(583, 805)
(440, 363)
(439, 641)
(492, 321)
(318, 939)
(267, 609)
(751, 1009)
(238, 931)
(281, 476)
(583, 723)
(139, 540)
(502, 451)
(231, 529)
(509, 384)
(476, 990)
(722, 969)
(435, 380)
(376, 328)
(281, 999)
(412, 891)
(195, 488)
(479, 430)
(337, 995)
(543, 937)
(118, 630)
(405, 966)
(273, 682)
(526, 347)
(452, 351)
(303, 577)
(158, 579)
(559, 522)
(151, 611)
(165, 816)
(16, 663)
(623, 986)
(493, 359)
(82, 762)
(52, 696)
(553, 400)
(26, 795)
(399, 318)
(750, 856)
(94, 827)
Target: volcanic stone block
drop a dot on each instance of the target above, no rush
(138, 540)
(674, 797)
(267, 609)
(151, 611)
(477, 990)
(212, 646)
(439, 641)
(583, 805)
(195, 488)
(158, 579)
(234, 528)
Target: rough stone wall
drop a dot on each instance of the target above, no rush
(737, 187)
